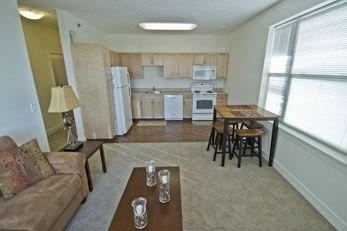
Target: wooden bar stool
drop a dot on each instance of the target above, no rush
(246, 139)
(251, 125)
(216, 138)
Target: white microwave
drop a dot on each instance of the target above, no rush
(204, 72)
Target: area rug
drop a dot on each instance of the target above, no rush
(213, 197)
(151, 123)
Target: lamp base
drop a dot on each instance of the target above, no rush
(74, 146)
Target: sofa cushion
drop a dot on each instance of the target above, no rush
(37, 207)
(7, 143)
(33, 152)
(15, 172)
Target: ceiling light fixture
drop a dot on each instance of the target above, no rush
(167, 26)
(31, 13)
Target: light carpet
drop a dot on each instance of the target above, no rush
(213, 197)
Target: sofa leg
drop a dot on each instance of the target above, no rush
(84, 200)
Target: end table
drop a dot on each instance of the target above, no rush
(89, 148)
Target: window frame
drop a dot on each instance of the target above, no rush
(312, 140)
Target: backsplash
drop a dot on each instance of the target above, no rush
(153, 76)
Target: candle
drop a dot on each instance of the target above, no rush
(139, 209)
(150, 168)
(164, 179)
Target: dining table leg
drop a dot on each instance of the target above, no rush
(224, 142)
(273, 141)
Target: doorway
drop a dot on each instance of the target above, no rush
(47, 64)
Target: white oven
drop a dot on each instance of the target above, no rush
(203, 105)
(204, 72)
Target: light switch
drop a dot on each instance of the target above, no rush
(33, 107)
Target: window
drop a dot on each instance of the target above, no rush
(307, 74)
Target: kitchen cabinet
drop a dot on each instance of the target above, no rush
(114, 59)
(184, 65)
(136, 108)
(222, 99)
(93, 74)
(146, 108)
(222, 65)
(198, 59)
(211, 59)
(170, 65)
(152, 59)
(125, 61)
(136, 66)
(158, 108)
(187, 107)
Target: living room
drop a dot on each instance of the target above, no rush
(181, 115)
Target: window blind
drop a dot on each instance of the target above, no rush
(322, 43)
(307, 77)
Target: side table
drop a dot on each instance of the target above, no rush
(89, 148)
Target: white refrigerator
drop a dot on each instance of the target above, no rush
(122, 94)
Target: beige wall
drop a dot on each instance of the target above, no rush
(318, 173)
(20, 113)
(42, 40)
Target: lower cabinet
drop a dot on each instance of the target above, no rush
(222, 99)
(158, 108)
(147, 107)
(136, 108)
(187, 107)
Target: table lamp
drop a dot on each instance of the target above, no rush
(64, 100)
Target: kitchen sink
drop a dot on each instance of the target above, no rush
(153, 92)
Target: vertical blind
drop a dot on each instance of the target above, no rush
(307, 77)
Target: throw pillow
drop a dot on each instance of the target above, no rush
(33, 151)
(14, 176)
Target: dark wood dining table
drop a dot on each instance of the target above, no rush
(239, 113)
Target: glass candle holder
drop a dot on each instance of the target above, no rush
(150, 173)
(164, 185)
(140, 212)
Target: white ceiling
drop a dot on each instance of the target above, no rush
(123, 16)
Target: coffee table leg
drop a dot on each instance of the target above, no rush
(102, 155)
(89, 177)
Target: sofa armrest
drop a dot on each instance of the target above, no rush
(67, 162)
(70, 163)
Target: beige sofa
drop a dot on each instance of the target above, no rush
(50, 203)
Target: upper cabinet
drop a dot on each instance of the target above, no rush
(222, 65)
(205, 58)
(170, 65)
(176, 65)
(152, 59)
(211, 59)
(133, 61)
(136, 66)
(114, 59)
(184, 65)
(198, 59)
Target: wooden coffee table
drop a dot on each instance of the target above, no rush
(159, 216)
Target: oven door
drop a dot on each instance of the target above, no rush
(203, 103)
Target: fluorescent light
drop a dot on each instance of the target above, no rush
(167, 26)
(31, 13)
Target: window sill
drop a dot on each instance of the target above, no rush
(325, 149)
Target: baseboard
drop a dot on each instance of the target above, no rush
(322, 208)
(52, 130)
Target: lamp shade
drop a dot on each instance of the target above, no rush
(63, 99)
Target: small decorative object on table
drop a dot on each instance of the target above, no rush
(164, 185)
(140, 212)
(64, 100)
(150, 173)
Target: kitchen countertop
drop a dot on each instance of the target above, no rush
(166, 91)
